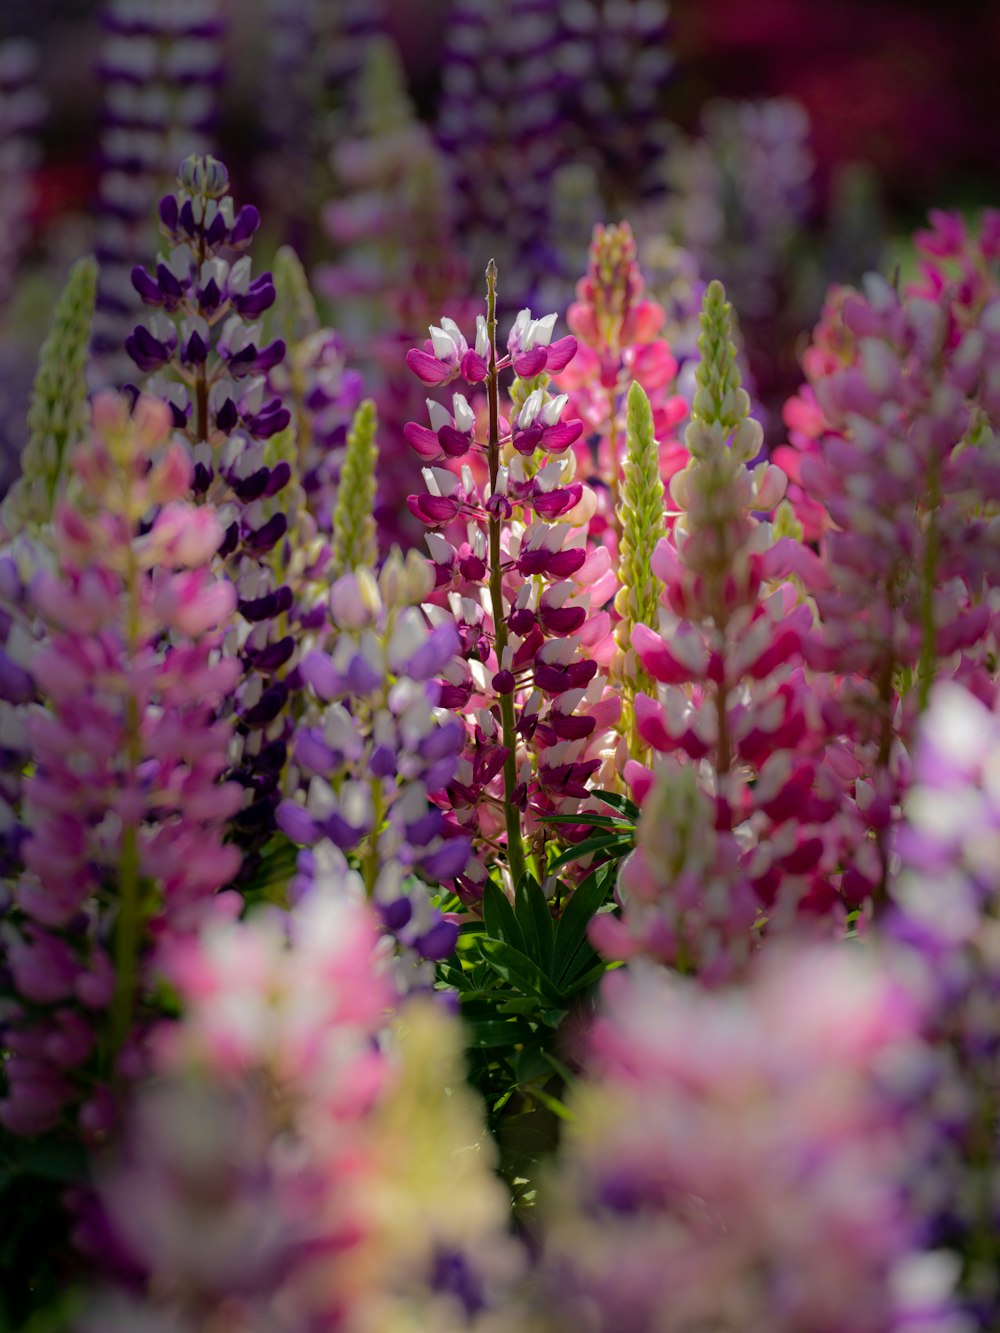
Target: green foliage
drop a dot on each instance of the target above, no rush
(354, 540)
(59, 416)
(522, 974)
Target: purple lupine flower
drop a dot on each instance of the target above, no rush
(215, 375)
(161, 67)
(375, 746)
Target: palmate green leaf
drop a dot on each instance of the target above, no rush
(538, 928)
(592, 821)
(571, 934)
(499, 919)
(518, 970)
(618, 802)
(498, 1033)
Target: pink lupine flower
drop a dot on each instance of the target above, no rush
(739, 1159)
(124, 797)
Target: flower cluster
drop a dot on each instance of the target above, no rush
(620, 333)
(278, 1132)
(161, 69)
(728, 652)
(736, 1161)
(123, 810)
(202, 352)
(526, 593)
(899, 424)
(375, 746)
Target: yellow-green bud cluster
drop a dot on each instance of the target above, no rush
(59, 416)
(354, 540)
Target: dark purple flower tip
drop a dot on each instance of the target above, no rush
(488, 762)
(216, 233)
(195, 351)
(503, 682)
(209, 297)
(455, 697)
(314, 617)
(428, 368)
(257, 298)
(521, 622)
(446, 739)
(281, 475)
(268, 536)
(171, 288)
(252, 487)
(232, 537)
(341, 833)
(434, 511)
(394, 916)
(296, 823)
(570, 727)
(272, 655)
(382, 763)
(440, 774)
(553, 564)
(147, 352)
(423, 830)
(527, 441)
(267, 708)
(557, 679)
(169, 212)
(186, 225)
(272, 419)
(472, 567)
(555, 503)
(499, 507)
(246, 223)
(434, 653)
(227, 417)
(527, 364)
(563, 619)
(16, 684)
(439, 942)
(147, 287)
(453, 442)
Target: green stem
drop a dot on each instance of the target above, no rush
(128, 926)
(515, 847)
(371, 862)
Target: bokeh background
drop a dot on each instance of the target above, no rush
(776, 144)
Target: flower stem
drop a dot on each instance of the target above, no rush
(928, 636)
(515, 848)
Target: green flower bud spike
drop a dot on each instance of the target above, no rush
(642, 516)
(59, 416)
(354, 541)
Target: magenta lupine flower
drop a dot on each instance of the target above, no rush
(737, 1160)
(123, 811)
(620, 342)
(763, 832)
(901, 428)
(375, 746)
(526, 679)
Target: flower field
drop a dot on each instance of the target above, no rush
(499, 691)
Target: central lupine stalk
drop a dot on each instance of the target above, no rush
(512, 816)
